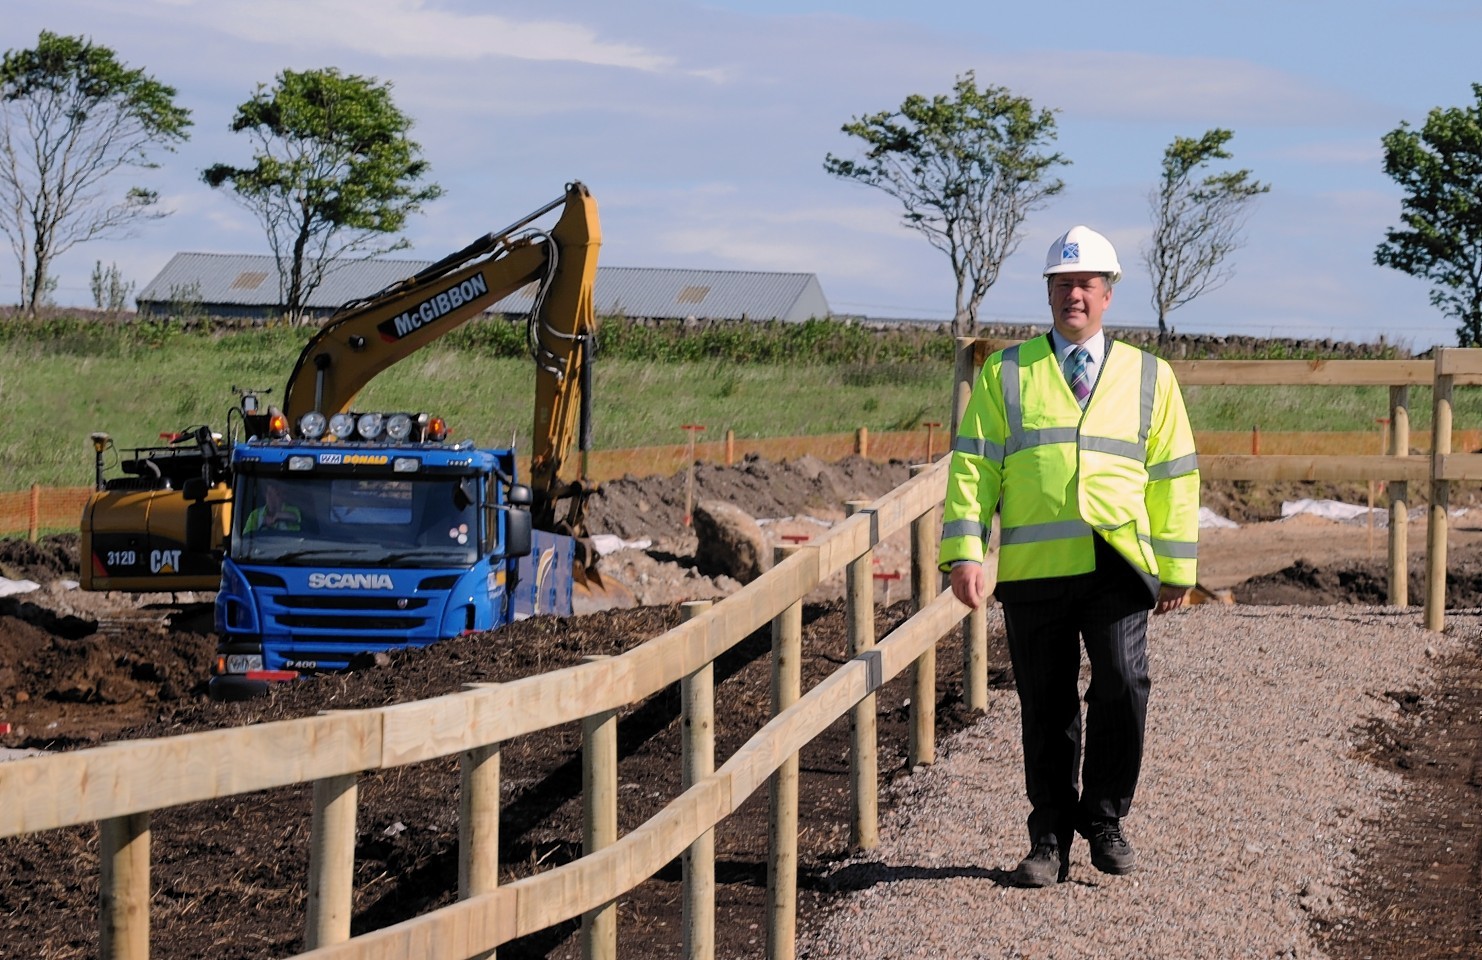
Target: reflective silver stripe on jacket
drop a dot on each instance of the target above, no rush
(1176, 467)
(978, 447)
(1041, 532)
(1038, 438)
(1176, 549)
(1020, 439)
(965, 528)
(1013, 404)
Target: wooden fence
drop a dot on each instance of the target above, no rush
(120, 785)
(1397, 467)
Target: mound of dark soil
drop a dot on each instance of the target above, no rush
(54, 557)
(632, 507)
(1416, 889)
(1366, 583)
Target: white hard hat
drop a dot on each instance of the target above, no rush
(1082, 250)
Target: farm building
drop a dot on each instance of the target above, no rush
(246, 286)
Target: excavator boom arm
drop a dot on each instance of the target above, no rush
(366, 337)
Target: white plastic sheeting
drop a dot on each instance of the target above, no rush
(1208, 518)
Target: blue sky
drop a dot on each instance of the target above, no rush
(701, 128)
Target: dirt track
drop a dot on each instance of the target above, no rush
(78, 669)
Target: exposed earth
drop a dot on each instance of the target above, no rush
(79, 669)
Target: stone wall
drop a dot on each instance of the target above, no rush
(1179, 346)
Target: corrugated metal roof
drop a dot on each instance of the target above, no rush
(708, 294)
(250, 280)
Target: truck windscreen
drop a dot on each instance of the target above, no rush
(310, 520)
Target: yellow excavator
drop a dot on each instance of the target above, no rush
(134, 527)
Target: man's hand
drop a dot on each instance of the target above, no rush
(1170, 598)
(969, 583)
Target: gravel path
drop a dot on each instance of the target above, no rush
(1251, 806)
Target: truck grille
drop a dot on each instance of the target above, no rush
(353, 603)
(400, 616)
(303, 621)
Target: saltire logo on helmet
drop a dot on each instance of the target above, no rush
(1071, 251)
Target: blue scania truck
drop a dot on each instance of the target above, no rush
(367, 533)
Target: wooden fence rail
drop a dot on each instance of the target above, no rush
(1398, 468)
(120, 785)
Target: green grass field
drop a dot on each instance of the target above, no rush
(57, 387)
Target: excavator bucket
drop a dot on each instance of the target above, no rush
(589, 591)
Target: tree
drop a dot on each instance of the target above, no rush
(967, 168)
(333, 174)
(1196, 224)
(110, 291)
(1440, 167)
(71, 117)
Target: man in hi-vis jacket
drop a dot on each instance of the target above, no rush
(1083, 445)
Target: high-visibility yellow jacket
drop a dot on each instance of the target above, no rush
(1123, 469)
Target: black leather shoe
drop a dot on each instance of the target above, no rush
(1048, 863)
(1110, 851)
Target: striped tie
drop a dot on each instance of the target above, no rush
(1078, 375)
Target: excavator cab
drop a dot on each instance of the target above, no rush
(160, 523)
(134, 526)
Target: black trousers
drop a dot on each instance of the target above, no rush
(1069, 775)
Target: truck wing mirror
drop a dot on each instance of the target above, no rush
(520, 495)
(517, 526)
(194, 489)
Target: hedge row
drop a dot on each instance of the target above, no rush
(834, 342)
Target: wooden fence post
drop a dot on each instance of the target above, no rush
(862, 442)
(963, 375)
(925, 585)
(1399, 496)
(1435, 553)
(33, 523)
(782, 856)
(478, 821)
(975, 659)
(123, 911)
(931, 426)
(697, 713)
(864, 760)
(599, 822)
(331, 861)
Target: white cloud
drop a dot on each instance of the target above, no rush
(411, 29)
(1182, 89)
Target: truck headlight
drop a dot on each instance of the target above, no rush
(369, 426)
(243, 662)
(398, 427)
(342, 425)
(311, 425)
